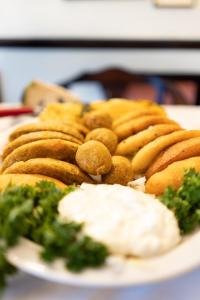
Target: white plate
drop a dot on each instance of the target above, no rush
(118, 271)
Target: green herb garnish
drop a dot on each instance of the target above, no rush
(31, 212)
(185, 202)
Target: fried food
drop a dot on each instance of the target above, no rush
(94, 158)
(36, 136)
(97, 119)
(171, 176)
(70, 111)
(179, 151)
(138, 113)
(119, 107)
(131, 127)
(135, 142)
(105, 136)
(54, 148)
(65, 172)
(46, 126)
(121, 171)
(23, 179)
(145, 157)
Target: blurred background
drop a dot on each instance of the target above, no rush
(102, 48)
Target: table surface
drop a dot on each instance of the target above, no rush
(185, 287)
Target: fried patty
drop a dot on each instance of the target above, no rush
(171, 176)
(145, 157)
(36, 136)
(138, 113)
(121, 171)
(52, 148)
(135, 142)
(46, 126)
(26, 179)
(179, 151)
(65, 172)
(131, 127)
(97, 119)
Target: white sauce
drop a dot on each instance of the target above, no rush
(129, 222)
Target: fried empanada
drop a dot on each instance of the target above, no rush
(179, 151)
(135, 142)
(26, 179)
(145, 157)
(171, 176)
(63, 171)
(54, 148)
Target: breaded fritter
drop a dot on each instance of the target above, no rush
(121, 171)
(171, 176)
(138, 113)
(24, 179)
(97, 119)
(46, 126)
(36, 136)
(127, 129)
(179, 151)
(63, 171)
(145, 157)
(53, 148)
(94, 158)
(135, 142)
(105, 136)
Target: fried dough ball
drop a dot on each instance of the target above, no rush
(97, 119)
(121, 171)
(94, 158)
(105, 136)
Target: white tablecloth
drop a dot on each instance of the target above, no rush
(185, 287)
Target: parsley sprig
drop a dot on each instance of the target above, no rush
(31, 212)
(185, 202)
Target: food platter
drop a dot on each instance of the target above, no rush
(117, 271)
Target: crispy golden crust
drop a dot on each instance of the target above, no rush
(97, 119)
(105, 136)
(94, 158)
(53, 148)
(139, 124)
(46, 126)
(135, 142)
(138, 113)
(121, 171)
(63, 171)
(179, 151)
(81, 128)
(23, 179)
(171, 176)
(36, 136)
(145, 157)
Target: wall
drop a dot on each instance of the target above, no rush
(125, 19)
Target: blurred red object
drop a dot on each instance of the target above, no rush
(6, 112)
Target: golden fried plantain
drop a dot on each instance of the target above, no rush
(63, 171)
(54, 148)
(121, 171)
(105, 136)
(179, 151)
(145, 157)
(135, 142)
(127, 129)
(138, 113)
(36, 136)
(94, 158)
(26, 179)
(171, 176)
(46, 126)
(97, 119)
